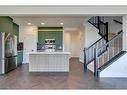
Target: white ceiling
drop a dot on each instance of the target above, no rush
(69, 21)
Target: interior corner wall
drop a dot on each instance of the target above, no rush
(91, 34)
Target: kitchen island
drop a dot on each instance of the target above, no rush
(49, 61)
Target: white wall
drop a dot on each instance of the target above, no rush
(28, 35)
(113, 27)
(91, 34)
(116, 69)
(82, 45)
(91, 66)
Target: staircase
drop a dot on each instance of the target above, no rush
(103, 52)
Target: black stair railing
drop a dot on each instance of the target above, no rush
(118, 21)
(103, 30)
(94, 21)
(101, 25)
(89, 52)
(114, 48)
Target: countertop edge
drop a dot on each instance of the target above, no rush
(31, 53)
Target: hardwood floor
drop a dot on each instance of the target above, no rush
(75, 79)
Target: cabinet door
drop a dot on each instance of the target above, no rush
(52, 62)
(59, 38)
(19, 58)
(44, 62)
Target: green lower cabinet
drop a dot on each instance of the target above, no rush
(20, 58)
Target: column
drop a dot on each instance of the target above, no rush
(125, 32)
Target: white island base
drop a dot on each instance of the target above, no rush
(49, 61)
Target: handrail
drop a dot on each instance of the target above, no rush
(94, 43)
(117, 21)
(93, 24)
(89, 52)
(102, 22)
(116, 35)
(111, 40)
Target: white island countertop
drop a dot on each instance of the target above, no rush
(49, 52)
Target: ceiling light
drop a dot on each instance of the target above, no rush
(42, 23)
(61, 23)
(29, 23)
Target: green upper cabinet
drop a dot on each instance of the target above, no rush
(6, 24)
(50, 33)
(16, 30)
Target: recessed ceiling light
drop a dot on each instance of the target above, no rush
(42, 23)
(61, 23)
(29, 23)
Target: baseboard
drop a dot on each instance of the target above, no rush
(24, 62)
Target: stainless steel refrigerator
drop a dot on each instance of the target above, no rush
(8, 55)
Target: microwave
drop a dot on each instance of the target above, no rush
(49, 41)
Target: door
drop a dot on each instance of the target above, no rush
(75, 43)
(30, 45)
